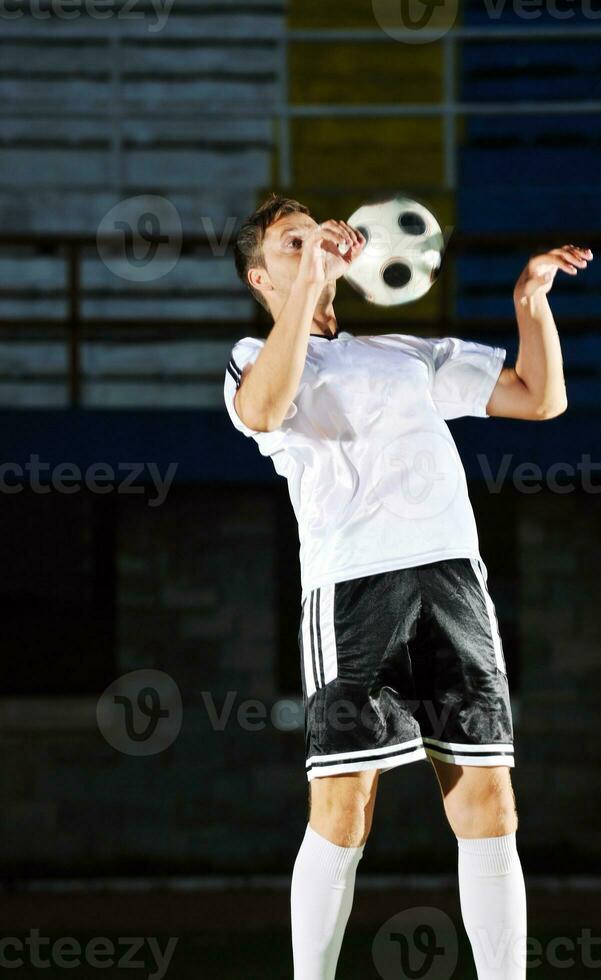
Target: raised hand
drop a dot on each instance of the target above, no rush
(328, 251)
(539, 274)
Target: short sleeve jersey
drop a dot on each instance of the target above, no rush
(374, 475)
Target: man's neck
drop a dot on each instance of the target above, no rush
(324, 321)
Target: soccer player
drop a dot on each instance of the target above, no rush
(401, 657)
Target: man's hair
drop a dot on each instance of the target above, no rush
(248, 250)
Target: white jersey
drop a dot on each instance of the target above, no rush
(374, 476)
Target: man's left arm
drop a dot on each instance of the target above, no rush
(535, 388)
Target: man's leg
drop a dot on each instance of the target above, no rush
(323, 880)
(480, 807)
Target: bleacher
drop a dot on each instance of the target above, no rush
(532, 174)
(94, 112)
(535, 172)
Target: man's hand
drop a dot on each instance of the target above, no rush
(322, 260)
(535, 388)
(538, 276)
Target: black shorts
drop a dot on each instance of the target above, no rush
(403, 665)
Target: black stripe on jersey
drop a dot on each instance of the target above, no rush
(313, 661)
(318, 628)
(394, 750)
(471, 750)
(235, 366)
(234, 375)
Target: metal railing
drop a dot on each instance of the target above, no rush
(449, 108)
(76, 329)
(117, 110)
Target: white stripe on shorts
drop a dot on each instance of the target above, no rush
(481, 574)
(320, 660)
(328, 635)
(386, 757)
(309, 667)
(470, 747)
(410, 743)
(457, 759)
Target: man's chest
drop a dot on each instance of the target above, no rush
(357, 380)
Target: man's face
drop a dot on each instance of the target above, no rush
(282, 250)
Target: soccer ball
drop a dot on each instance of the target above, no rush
(403, 253)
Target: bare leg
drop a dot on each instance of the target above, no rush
(323, 881)
(480, 806)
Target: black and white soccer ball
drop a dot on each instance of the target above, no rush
(403, 253)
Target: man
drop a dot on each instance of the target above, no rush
(400, 650)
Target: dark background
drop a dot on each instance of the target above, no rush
(95, 367)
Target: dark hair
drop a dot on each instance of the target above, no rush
(248, 250)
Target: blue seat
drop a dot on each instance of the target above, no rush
(534, 173)
(524, 70)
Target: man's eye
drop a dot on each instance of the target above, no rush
(296, 242)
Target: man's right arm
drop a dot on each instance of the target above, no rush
(267, 387)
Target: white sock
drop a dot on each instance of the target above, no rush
(323, 884)
(493, 905)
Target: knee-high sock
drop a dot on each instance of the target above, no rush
(493, 905)
(323, 884)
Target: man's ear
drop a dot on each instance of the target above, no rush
(259, 279)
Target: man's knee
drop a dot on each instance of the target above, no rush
(483, 804)
(341, 807)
